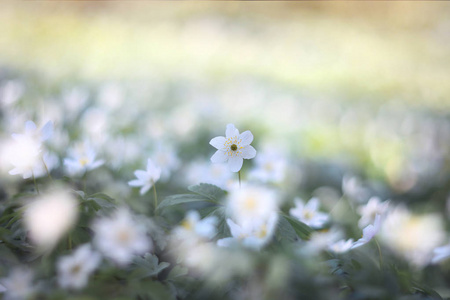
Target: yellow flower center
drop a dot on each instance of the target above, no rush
(250, 203)
(187, 225)
(83, 161)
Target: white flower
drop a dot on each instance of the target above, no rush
(18, 285)
(166, 158)
(74, 270)
(270, 167)
(233, 148)
(202, 172)
(308, 213)
(120, 237)
(354, 188)
(82, 159)
(193, 226)
(33, 132)
(413, 236)
(369, 232)
(440, 254)
(23, 154)
(369, 211)
(321, 240)
(49, 217)
(341, 246)
(48, 162)
(254, 237)
(146, 179)
(251, 204)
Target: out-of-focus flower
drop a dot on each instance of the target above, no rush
(33, 132)
(146, 179)
(48, 162)
(202, 172)
(309, 213)
(369, 211)
(49, 217)
(321, 240)
(369, 232)
(353, 188)
(23, 154)
(166, 158)
(82, 159)
(119, 237)
(74, 270)
(440, 254)
(18, 285)
(413, 236)
(193, 225)
(233, 148)
(10, 92)
(251, 204)
(270, 167)
(341, 246)
(255, 237)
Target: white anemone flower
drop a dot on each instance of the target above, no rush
(31, 131)
(441, 254)
(254, 237)
(270, 167)
(369, 211)
(82, 159)
(203, 172)
(49, 217)
(74, 270)
(192, 225)
(23, 153)
(341, 246)
(233, 148)
(18, 285)
(309, 213)
(251, 204)
(146, 179)
(369, 232)
(120, 237)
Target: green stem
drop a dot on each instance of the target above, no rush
(46, 169)
(379, 252)
(239, 176)
(84, 181)
(155, 197)
(35, 184)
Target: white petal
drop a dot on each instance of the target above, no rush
(313, 204)
(246, 138)
(30, 126)
(226, 242)
(135, 182)
(218, 142)
(219, 157)
(235, 164)
(235, 230)
(248, 152)
(47, 131)
(141, 175)
(145, 189)
(231, 131)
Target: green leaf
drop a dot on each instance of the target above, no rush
(102, 196)
(285, 231)
(182, 198)
(177, 271)
(147, 266)
(301, 229)
(207, 190)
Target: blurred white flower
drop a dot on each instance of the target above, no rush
(49, 217)
(341, 246)
(270, 167)
(309, 213)
(120, 237)
(254, 237)
(251, 204)
(18, 285)
(146, 179)
(74, 270)
(440, 254)
(166, 158)
(413, 236)
(81, 159)
(192, 225)
(369, 232)
(233, 148)
(353, 188)
(369, 211)
(203, 172)
(10, 92)
(321, 240)
(31, 131)
(23, 154)
(48, 162)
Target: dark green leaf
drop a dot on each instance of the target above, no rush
(207, 190)
(182, 198)
(301, 229)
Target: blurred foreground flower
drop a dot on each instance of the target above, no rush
(74, 270)
(192, 225)
(233, 148)
(120, 237)
(23, 154)
(441, 254)
(369, 211)
(81, 159)
(341, 246)
(369, 232)
(146, 179)
(18, 285)
(309, 213)
(49, 217)
(31, 131)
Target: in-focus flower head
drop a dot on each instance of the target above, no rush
(234, 148)
(82, 158)
(49, 217)
(309, 213)
(120, 237)
(146, 178)
(74, 270)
